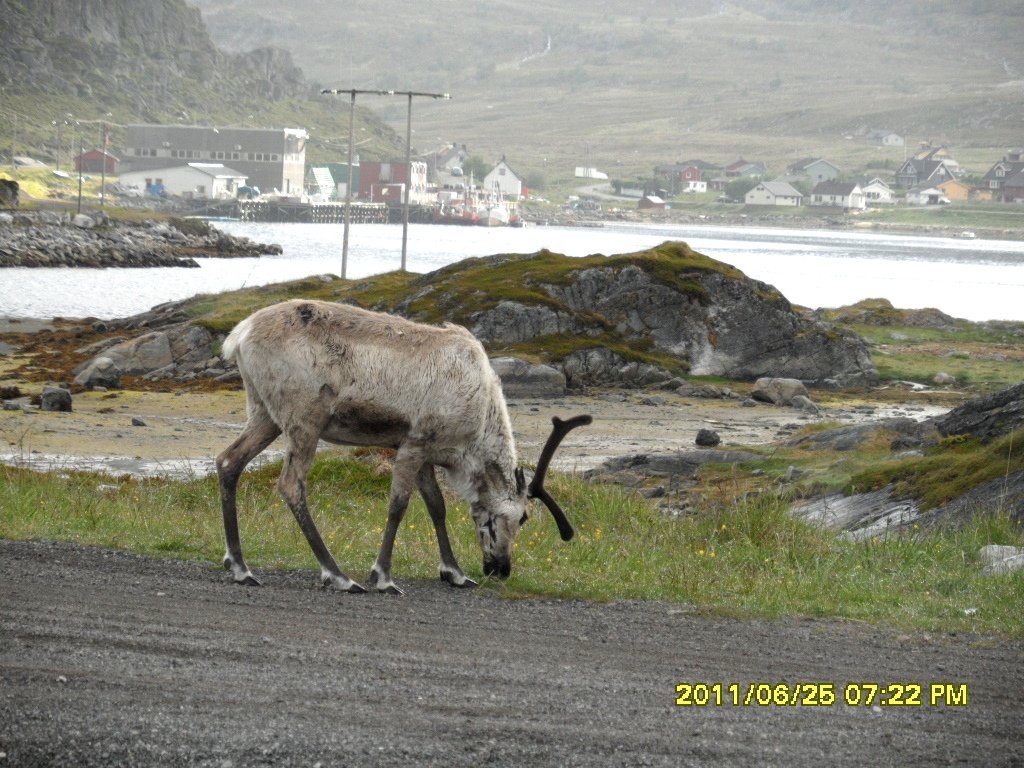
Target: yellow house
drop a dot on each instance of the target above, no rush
(955, 190)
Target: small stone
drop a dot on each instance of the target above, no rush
(137, 422)
(943, 379)
(62, 680)
(707, 438)
(55, 399)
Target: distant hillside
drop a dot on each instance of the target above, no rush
(630, 83)
(129, 61)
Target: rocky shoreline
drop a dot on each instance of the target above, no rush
(48, 239)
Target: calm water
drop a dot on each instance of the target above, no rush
(974, 279)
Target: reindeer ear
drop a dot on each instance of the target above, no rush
(536, 490)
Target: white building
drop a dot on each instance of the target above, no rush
(774, 193)
(503, 179)
(876, 191)
(839, 194)
(194, 180)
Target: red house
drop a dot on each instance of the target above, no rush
(93, 162)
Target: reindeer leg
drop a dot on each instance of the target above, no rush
(403, 478)
(259, 432)
(292, 486)
(431, 492)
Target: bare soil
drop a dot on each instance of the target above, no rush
(182, 431)
(108, 659)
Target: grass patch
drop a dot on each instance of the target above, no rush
(952, 468)
(747, 559)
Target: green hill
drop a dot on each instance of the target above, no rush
(631, 84)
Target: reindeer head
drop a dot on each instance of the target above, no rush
(501, 510)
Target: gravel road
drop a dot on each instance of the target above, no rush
(112, 659)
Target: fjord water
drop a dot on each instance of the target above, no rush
(973, 279)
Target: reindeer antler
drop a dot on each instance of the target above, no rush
(536, 490)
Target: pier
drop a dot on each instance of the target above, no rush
(311, 213)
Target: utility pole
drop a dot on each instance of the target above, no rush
(352, 92)
(408, 164)
(103, 164)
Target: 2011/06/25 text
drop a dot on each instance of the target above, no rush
(821, 694)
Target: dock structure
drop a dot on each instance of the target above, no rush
(312, 213)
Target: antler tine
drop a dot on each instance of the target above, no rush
(536, 490)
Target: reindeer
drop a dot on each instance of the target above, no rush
(316, 370)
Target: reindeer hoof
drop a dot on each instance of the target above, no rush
(340, 583)
(248, 581)
(457, 579)
(383, 583)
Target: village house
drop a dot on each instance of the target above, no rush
(956, 190)
(651, 202)
(745, 169)
(200, 181)
(688, 177)
(774, 193)
(504, 180)
(927, 169)
(838, 194)
(876, 191)
(385, 182)
(885, 137)
(270, 158)
(1006, 178)
(815, 169)
(97, 161)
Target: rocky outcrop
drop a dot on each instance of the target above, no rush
(882, 312)
(86, 48)
(907, 433)
(45, 239)
(522, 379)
(676, 465)
(599, 366)
(986, 417)
(880, 513)
(180, 351)
(675, 302)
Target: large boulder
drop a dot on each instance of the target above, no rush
(778, 391)
(141, 355)
(175, 351)
(100, 372)
(522, 379)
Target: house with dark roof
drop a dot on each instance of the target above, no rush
(927, 169)
(838, 194)
(1003, 179)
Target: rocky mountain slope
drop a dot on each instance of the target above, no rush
(67, 63)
